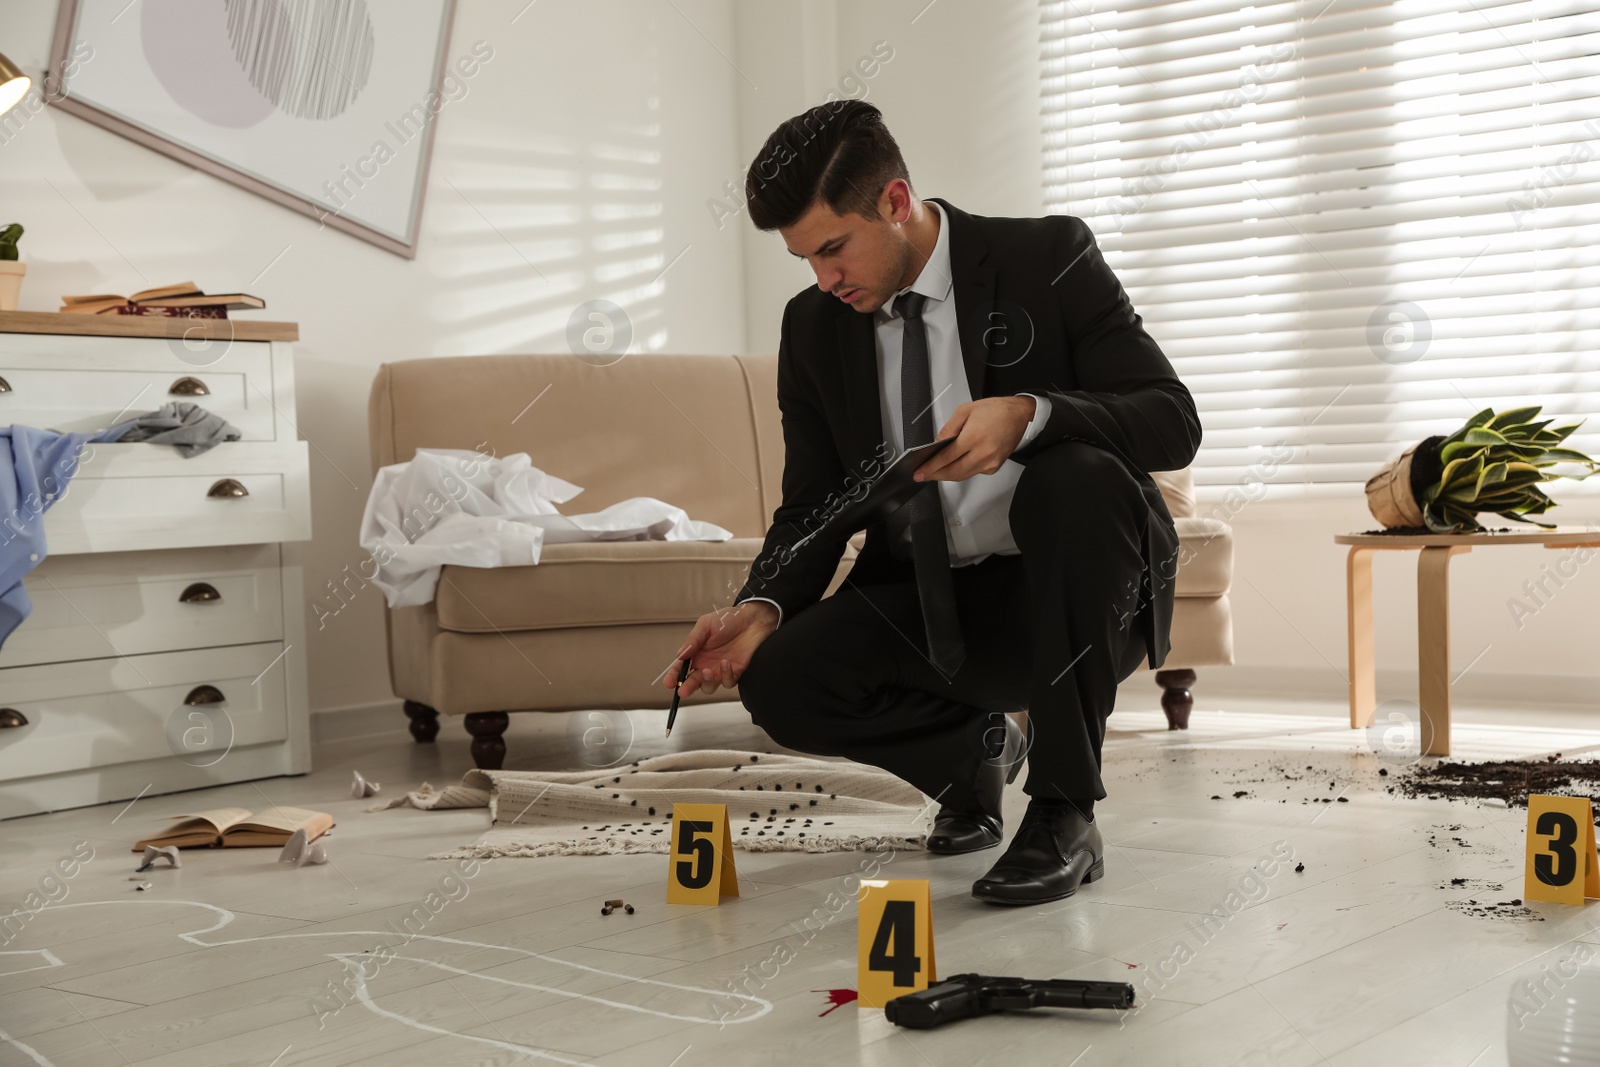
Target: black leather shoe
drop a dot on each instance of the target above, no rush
(955, 831)
(1054, 850)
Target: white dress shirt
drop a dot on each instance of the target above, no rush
(976, 510)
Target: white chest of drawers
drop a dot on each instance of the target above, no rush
(166, 645)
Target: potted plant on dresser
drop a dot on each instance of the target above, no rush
(11, 269)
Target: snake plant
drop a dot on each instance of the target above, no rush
(8, 240)
(1496, 463)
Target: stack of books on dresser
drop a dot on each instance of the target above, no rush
(181, 301)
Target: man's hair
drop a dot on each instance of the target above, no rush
(839, 154)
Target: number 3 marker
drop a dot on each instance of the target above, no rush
(1562, 864)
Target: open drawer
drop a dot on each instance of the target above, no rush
(69, 383)
(137, 496)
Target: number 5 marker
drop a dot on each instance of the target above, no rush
(700, 864)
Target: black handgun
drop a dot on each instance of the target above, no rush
(966, 995)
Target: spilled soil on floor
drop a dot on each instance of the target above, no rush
(1509, 781)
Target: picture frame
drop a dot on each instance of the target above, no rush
(326, 107)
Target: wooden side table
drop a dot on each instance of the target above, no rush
(1433, 616)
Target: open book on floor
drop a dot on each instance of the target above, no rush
(229, 827)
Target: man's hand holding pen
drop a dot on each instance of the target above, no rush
(720, 647)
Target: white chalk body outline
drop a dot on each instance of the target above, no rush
(365, 997)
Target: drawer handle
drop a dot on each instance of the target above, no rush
(187, 386)
(228, 487)
(11, 717)
(199, 593)
(5, 386)
(205, 694)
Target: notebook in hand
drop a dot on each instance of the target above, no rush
(236, 827)
(884, 495)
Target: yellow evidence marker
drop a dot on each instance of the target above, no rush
(894, 939)
(1562, 865)
(700, 860)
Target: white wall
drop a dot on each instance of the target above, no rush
(653, 107)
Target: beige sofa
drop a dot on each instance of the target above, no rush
(594, 625)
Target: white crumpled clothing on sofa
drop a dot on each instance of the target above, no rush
(475, 510)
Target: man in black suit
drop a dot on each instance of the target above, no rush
(1034, 570)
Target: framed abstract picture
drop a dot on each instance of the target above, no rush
(327, 107)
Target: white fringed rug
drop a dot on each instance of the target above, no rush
(776, 803)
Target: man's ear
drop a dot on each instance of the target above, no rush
(886, 198)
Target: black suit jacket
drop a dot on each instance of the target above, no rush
(1038, 311)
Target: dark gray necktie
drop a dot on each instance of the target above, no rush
(925, 510)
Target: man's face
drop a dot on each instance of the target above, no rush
(856, 257)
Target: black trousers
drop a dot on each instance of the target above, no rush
(1051, 630)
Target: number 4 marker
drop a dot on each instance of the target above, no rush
(1562, 867)
(894, 939)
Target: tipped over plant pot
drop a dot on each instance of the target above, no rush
(1495, 463)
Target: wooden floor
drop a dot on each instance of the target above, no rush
(1368, 956)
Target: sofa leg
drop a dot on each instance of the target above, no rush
(1176, 700)
(488, 738)
(424, 721)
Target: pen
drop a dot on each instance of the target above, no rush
(682, 674)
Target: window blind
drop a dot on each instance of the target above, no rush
(1348, 224)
